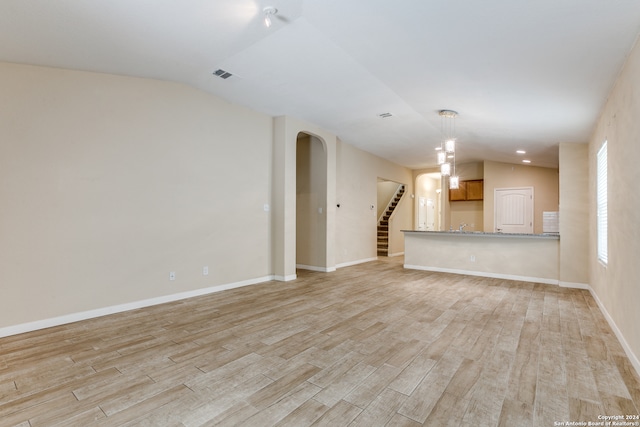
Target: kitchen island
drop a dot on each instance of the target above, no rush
(525, 257)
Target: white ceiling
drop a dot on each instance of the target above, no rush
(523, 74)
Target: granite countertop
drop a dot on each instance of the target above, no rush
(486, 234)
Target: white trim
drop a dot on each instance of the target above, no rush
(360, 261)
(314, 268)
(484, 274)
(99, 312)
(632, 357)
(574, 285)
(285, 278)
(396, 254)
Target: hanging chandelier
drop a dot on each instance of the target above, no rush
(447, 149)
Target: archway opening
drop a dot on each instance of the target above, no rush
(311, 203)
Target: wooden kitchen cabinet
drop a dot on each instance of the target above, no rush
(469, 190)
(475, 189)
(459, 193)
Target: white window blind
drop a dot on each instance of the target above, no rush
(601, 195)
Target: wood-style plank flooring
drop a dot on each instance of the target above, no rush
(368, 345)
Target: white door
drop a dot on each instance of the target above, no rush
(431, 215)
(422, 214)
(513, 210)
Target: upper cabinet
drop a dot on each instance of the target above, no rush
(469, 190)
(475, 189)
(459, 193)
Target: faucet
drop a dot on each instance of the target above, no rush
(462, 226)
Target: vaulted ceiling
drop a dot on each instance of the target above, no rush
(522, 74)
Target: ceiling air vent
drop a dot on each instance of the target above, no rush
(222, 73)
(385, 115)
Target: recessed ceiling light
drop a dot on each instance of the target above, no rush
(521, 152)
(526, 161)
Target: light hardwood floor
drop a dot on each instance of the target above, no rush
(368, 345)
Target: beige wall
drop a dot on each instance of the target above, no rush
(468, 212)
(356, 191)
(545, 183)
(617, 285)
(574, 215)
(109, 183)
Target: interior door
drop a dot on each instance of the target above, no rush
(513, 210)
(422, 214)
(431, 215)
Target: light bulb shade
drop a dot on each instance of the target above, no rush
(450, 146)
(454, 182)
(442, 157)
(445, 169)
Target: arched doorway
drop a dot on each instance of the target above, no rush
(283, 215)
(311, 203)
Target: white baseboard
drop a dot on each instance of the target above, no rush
(99, 312)
(285, 278)
(396, 254)
(484, 274)
(360, 261)
(315, 268)
(630, 354)
(574, 285)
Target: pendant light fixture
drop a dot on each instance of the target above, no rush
(447, 149)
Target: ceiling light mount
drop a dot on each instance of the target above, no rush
(448, 113)
(269, 12)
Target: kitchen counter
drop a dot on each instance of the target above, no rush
(524, 257)
(483, 233)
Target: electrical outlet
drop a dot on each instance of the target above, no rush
(205, 271)
(472, 258)
(172, 275)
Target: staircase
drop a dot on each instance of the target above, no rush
(383, 223)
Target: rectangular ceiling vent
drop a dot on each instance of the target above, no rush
(385, 115)
(222, 73)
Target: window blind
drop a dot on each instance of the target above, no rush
(601, 195)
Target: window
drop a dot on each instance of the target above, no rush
(601, 195)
